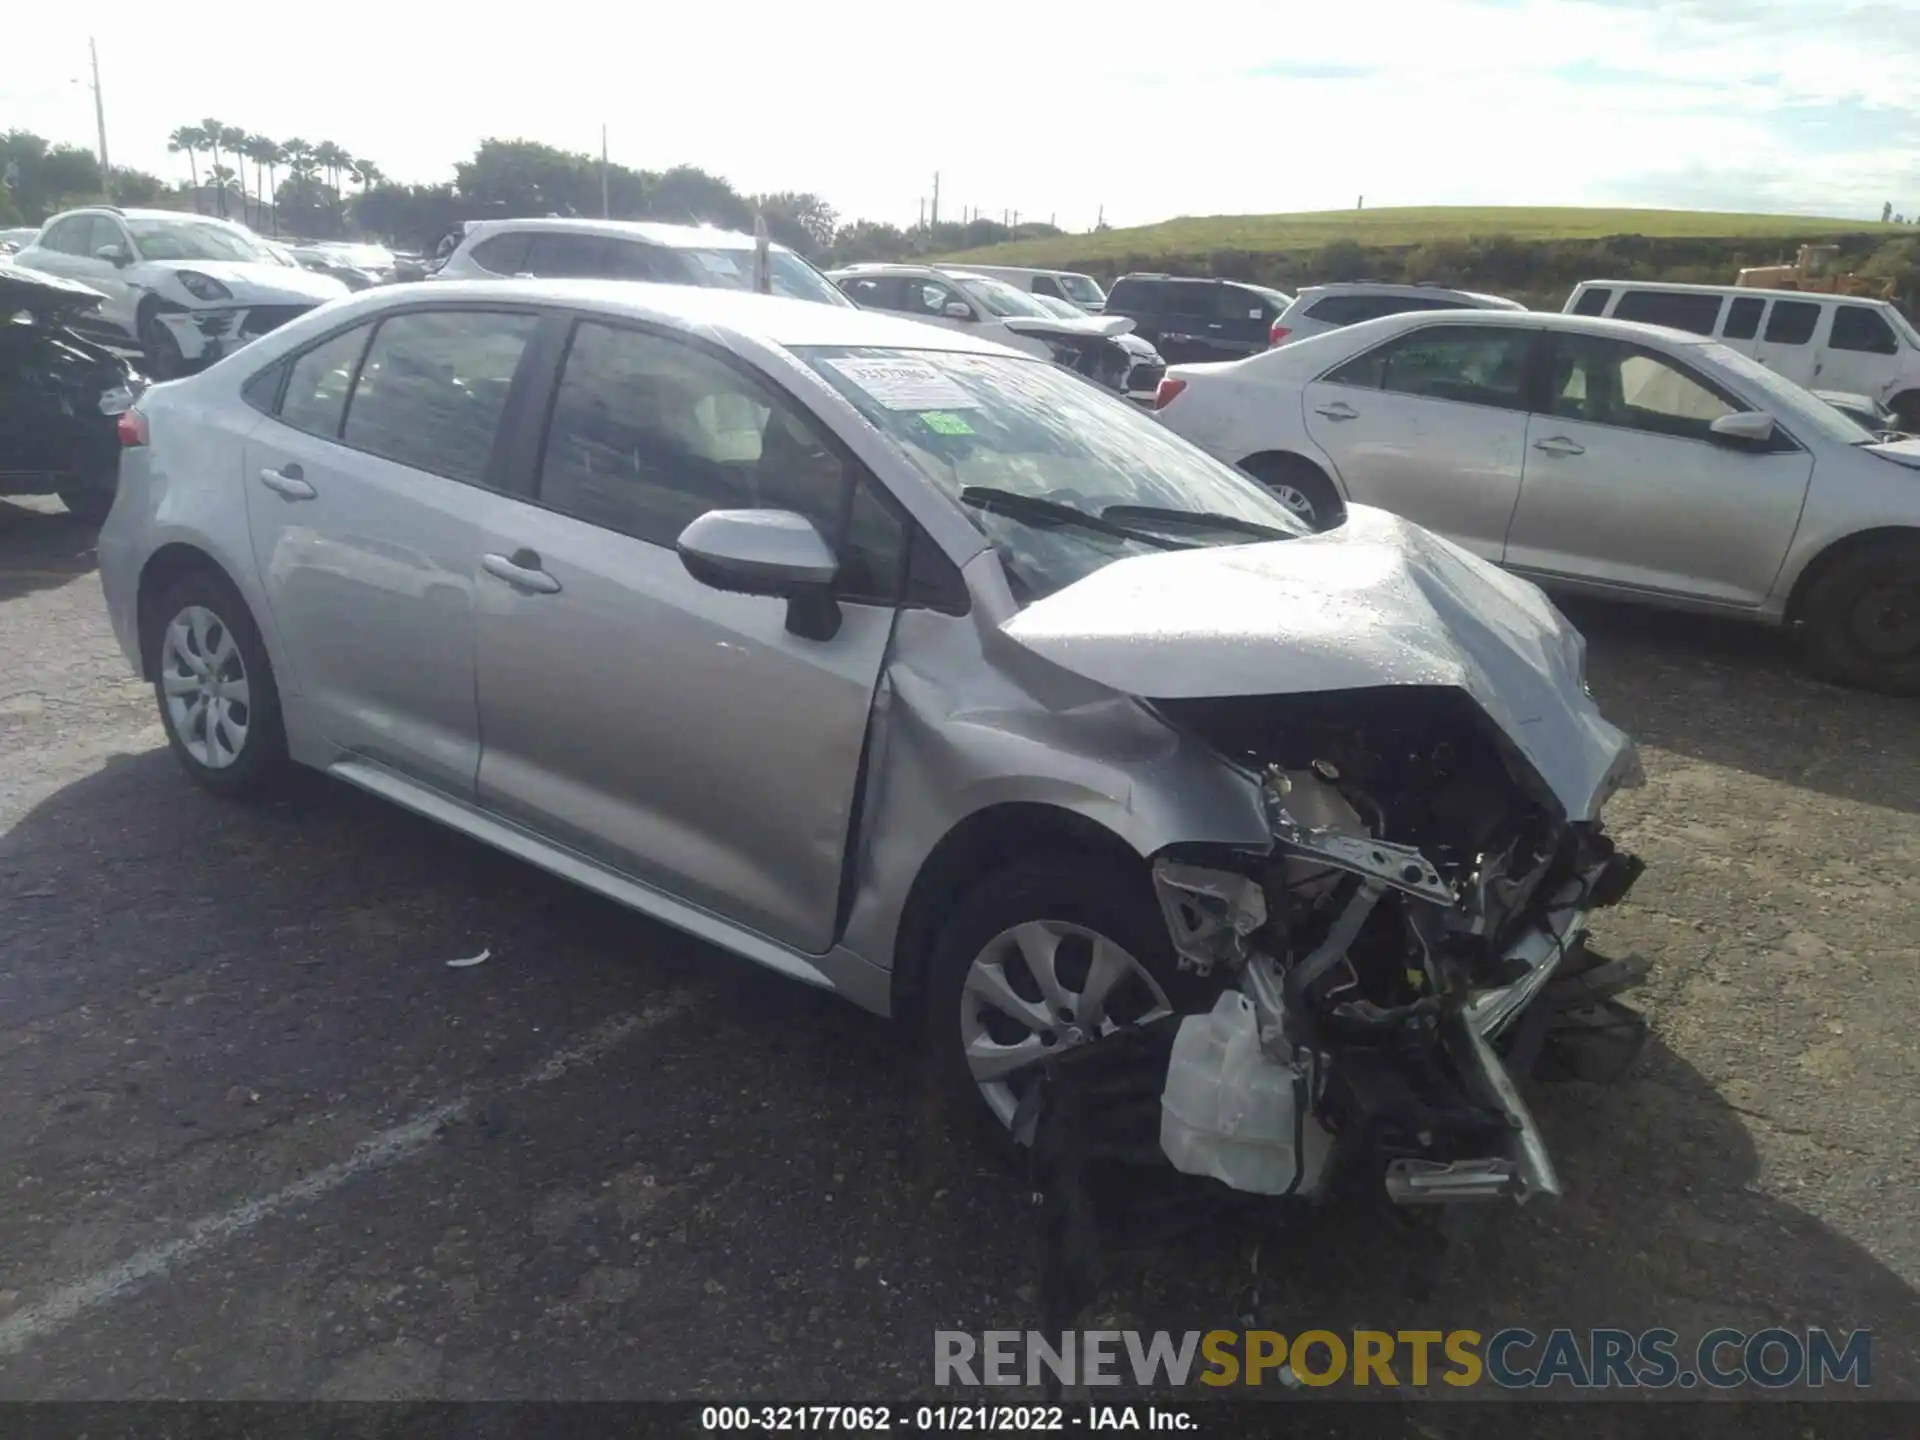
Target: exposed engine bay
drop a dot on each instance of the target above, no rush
(1422, 892)
(1102, 359)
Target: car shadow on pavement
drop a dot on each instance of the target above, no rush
(41, 545)
(1731, 694)
(196, 994)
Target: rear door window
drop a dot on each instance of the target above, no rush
(315, 399)
(1140, 297)
(1471, 364)
(1047, 285)
(1686, 310)
(1743, 318)
(1860, 327)
(502, 254)
(433, 387)
(69, 236)
(567, 257)
(1593, 301)
(1792, 322)
(1348, 309)
(876, 292)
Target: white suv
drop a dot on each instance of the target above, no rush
(1320, 308)
(187, 289)
(572, 249)
(1825, 342)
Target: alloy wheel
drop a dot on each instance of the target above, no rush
(1043, 987)
(204, 679)
(1296, 501)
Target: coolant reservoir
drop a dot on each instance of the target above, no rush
(1228, 1110)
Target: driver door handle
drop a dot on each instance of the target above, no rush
(1559, 445)
(1338, 410)
(288, 480)
(522, 571)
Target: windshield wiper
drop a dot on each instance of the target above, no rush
(1012, 503)
(1206, 518)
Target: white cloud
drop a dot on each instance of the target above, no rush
(1217, 106)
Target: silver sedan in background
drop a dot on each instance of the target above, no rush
(1593, 456)
(913, 668)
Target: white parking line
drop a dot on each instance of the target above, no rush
(42, 1317)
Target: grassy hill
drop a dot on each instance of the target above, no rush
(1532, 253)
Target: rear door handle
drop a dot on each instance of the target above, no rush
(1559, 445)
(522, 571)
(289, 480)
(1338, 410)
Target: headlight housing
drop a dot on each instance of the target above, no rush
(202, 287)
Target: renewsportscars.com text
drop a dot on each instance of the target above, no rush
(1511, 1359)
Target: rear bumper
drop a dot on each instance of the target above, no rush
(119, 556)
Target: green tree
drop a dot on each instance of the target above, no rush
(189, 140)
(216, 133)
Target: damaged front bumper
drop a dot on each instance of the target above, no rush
(205, 336)
(1382, 989)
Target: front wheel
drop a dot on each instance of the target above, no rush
(1046, 955)
(163, 358)
(215, 688)
(1861, 619)
(1301, 486)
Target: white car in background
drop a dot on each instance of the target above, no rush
(187, 289)
(1083, 292)
(1320, 308)
(1591, 455)
(1103, 348)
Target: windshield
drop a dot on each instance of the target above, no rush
(1801, 409)
(1001, 298)
(1027, 429)
(193, 240)
(1082, 289)
(1054, 305)
(788, 274)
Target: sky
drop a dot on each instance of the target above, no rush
(1064, 110)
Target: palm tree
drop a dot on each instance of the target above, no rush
(215, 131)
(189, 140)
(333, 159)
(232, 137)
(222, 176)
(265, 154)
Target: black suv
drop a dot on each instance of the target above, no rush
(1188, 318)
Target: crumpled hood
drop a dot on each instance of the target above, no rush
(1901, 452)
(1378, 601)
(262, 283)
(52, 296)
(1107, 326)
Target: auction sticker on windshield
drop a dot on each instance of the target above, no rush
(905, 384)
(941, 423)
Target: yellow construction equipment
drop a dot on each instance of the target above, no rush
(1816, 269)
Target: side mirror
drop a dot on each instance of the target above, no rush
(957, 310)
(1744, 430)
(767, 552)
(115, 255)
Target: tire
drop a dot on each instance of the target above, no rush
(201, 619)
(1860, 622)
(162, 351)
(1081, 896)
(88, 504)
(1907, 408)
(1301, 486)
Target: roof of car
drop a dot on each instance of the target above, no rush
(1735, 290)
(652, 232)
(1405, 287)
(1541, 319)
(887, 267)
(771, 319)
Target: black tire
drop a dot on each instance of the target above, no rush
(1318, 503)
(259, 763)
(1860, 622)
(161, 351)
(1906, 407)
(1080, 890)
(88, 504)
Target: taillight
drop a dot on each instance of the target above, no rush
(1278, 333)
(132, 428)
(1169, 388)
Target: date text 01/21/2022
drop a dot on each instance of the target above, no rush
(934, 1419)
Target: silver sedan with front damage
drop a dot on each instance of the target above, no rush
(919, 670)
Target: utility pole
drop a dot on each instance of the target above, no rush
(606, 212)
(923, 213)
(100, 120)
(936, 198)
(1361, 203)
